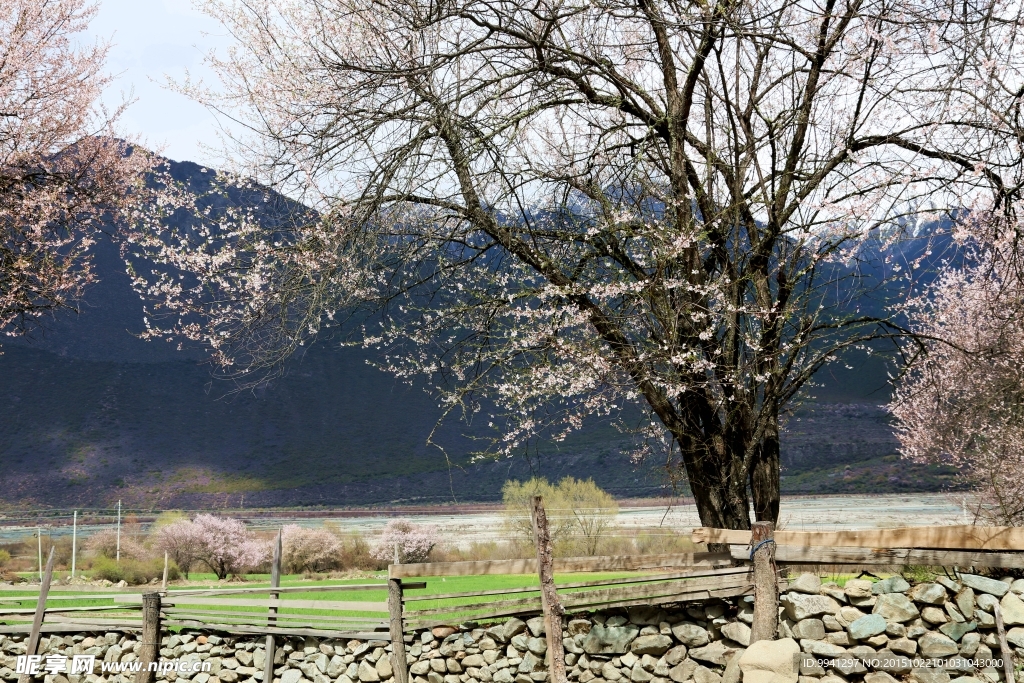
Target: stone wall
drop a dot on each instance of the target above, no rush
(871, 632)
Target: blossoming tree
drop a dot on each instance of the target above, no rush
(62, 171)
(570, 209)
(410, 542)
(223, 544)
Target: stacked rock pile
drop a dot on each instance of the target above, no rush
(869, 632)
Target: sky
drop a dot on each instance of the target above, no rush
(154, 40)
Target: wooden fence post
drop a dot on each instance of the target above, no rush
(398, 662)
(1004, 648)
(37, 621)
(549, 601)
(766, 587)
(150, 645)
(275, 582)
(163, 584)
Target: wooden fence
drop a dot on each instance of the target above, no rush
(936, 546)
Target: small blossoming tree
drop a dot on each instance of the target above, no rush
(223, 544)
(413, 541)
(305, 549)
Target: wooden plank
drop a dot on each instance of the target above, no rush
(289, 604)
(310, 620)
(72, 626)
(51, 597)
(963, 537)
(766, 589)
(562, 566)
(262, 618)
(286, 589)
(648, 578)
(275, 582)
(55, 610)
(528, 603)
(279, 631)
(398, 662)
(888, 557)
(551, 606)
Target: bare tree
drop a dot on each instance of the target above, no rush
(562, 209)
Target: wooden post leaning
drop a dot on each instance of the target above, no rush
(549, 601)
(37, 621)
(766, 588)
(398, 661)
(275, 582)
(150, 645)
(1004, 648)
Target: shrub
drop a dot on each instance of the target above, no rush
(579, 513)
(5, 557)
(132, 571)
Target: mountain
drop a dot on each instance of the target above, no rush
(90, 414)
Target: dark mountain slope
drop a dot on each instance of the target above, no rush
(90, 414)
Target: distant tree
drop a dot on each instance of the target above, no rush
(63, 174)
(223, 544)
(181, 540)
(305, 549)
(579, 512)
(227, 546)
(961, 401)
(104, 543)
(412, 541)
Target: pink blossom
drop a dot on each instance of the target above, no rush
(413, 541)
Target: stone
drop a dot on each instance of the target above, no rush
(799, 606)
(499, 676)
(530, 663)
(609, 640)
(928, 593)
(984, 619)
(892, 663)
(437, 664)
(536, 626)
(655, 645)
(933, 644)
(384, 669)
(954, 613)
(1016, 636)
(966, 679)
(816, 647)
(867, 626)
(809, 666)
(475, 661)
(683, 671)
(645, 615)
(894, 630)
(512, 628)
(922, 675)
(893, 584)
(770, 661)
(610, 672)
(806, 583)
(831, 623)
(904, 646)
(690, 635)
(838, 638)
(832, 678)
(537, 646)
(702, 674)
(877, 641)
(965, 600)
(1012, 608)
(420, 668)
(864, 602)
(987, 602)
(969, 644)
(442, 632)
(895, 607)
(934, 615)
(578, 627)
(732, 671)
(675, 655)
(833, 591)
(983, 584)
(291, 676)
(638, 674)
(878, 677)
(714, 653)
(813, 629)
(735, 630)
(714, 611)
(848, 615)
(337, 666)
(857, 588)
(955, 630)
